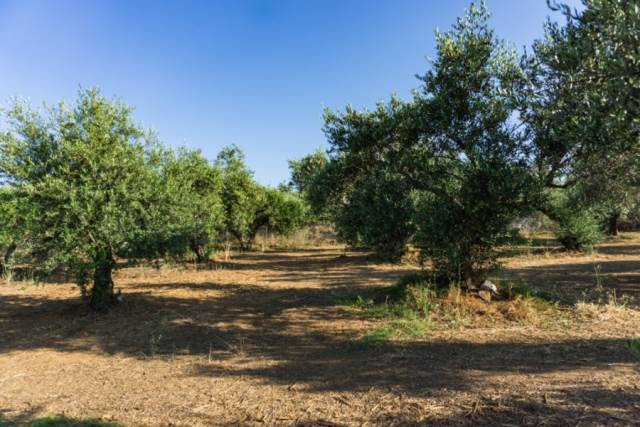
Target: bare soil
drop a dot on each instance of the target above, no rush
(261, 340)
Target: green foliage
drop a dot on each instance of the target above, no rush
(249, 206)
(285, 211)
(451, 169)
(241, 195)
(405, 307)
(459, 234)
(579, 230)
(378, 214)
(8, 215)
(512, 289)
(401, 291)
(305, 179)
(86, 185)
(305, 170)
(578, 226)
(86, 178)
(475, 182)
(193, 188)
(446, 170)
(326, 191)
(10, 228)
(580, 104)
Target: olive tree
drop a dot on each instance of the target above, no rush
(85, 174)
(305, 170)
(580, 105)
(241, 195)
(472, 165)
(448, 170)
(195, 217)
(249, 206)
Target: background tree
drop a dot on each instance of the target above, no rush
(579, 225)
(194, 198)
(365, 189)
(84, 173)
(241, 195)
(304, 174)
(250, 206)
(580, 104)
(305, 170)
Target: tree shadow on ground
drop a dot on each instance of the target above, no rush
(278, 261)
(619, 249)
(256, 316)
(581, 279)
(288, 338)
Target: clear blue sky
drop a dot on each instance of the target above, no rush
(255, 73)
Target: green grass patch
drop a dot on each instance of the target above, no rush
(378, 336)
(409, 325)
(404, 308)
(634, 346)
(354, 300)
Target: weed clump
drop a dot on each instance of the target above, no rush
(413, 293)
(405, 307)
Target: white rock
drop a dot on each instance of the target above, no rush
(488, 285)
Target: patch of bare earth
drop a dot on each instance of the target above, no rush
(261, 341)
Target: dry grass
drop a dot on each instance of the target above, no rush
(261, 340)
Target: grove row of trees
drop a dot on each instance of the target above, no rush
(82, 186)
(491, 136)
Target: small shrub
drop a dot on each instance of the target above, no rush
(405, 306)
(409, 324)
(419, 299)
(579, 230)
(398, 292)
(354, 300)
(413, 292)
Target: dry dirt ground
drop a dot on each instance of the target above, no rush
(261, 340)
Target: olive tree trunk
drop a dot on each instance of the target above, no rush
(101, 296)
(5, 265)
(199, 252)
(613, 224)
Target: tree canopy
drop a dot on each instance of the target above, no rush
(84, 186)
(488, 137)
